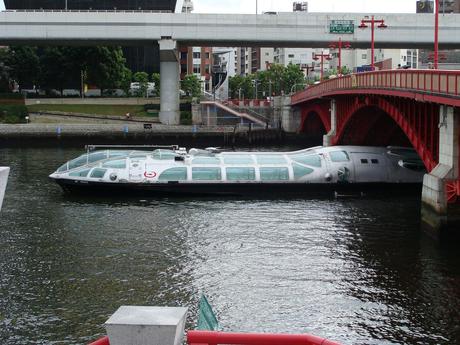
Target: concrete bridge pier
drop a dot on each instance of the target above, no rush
(440, 194)
(169, 82)
(327, 139)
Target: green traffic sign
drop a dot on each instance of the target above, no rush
(341, 27)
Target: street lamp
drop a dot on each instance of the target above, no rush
(323, 56)
(436, 33)
(381, 25)
(346, 45)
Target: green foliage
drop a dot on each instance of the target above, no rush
(293, 78)
(191, 85)
(24, 65)
(142, 78)
(60, 67)
(11, 96)
(105, 67)
(125, 81)
(156, 80)
(185, 117)
(4, 72)
(346, 70)
(241, 86)
(273, 82)
(13, 113)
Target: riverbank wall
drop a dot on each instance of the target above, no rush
(78, 135)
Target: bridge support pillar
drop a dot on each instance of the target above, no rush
(288, 116)
(327, 139)
(169, 82)
(439, 211)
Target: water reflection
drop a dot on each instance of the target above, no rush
(358, 271)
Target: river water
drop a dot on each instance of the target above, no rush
(358, 271)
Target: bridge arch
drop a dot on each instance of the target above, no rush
(316, 120)
(380, 121)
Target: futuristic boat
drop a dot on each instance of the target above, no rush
(155, 170)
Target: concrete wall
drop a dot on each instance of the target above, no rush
(94, 101)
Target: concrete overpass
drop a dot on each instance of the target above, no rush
(294, 29)
(169, 30)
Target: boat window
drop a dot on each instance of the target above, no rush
(300, 170)
(97, 156)
(78, 162)
(98, 173)
(274, 174)
(364, 161)
(270, 159)
(173, 174)
(138, 154)
(80, 173)
(164, 154)
(241, 174)
(206, 160)
(206, 174)
(339, 156)
(113, 154)
(375, 161)
(63, 168)
(238, 159)
(115, 164)
(313, 160)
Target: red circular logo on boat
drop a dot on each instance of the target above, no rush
(151, 174)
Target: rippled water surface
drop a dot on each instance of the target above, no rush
(358, 271)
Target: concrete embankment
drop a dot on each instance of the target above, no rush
(133, 133)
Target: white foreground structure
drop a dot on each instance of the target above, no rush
(4, 171)
(146, 325)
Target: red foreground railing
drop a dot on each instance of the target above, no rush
(102, 341)
(215, 338)
(441, 82)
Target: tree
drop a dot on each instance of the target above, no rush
(156, 80)
(293, 78)
(105, 66)
(142, 78)
(125, 82)
(54, 73)
(24, 65)
(191, 85)
(241, 86)
(5, 82)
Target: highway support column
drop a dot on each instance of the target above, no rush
(169, 82)
(329, 137)
(440, 196)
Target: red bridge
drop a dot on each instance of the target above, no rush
(418, 108)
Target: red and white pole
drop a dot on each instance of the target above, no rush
(372, 43)
(436, 33)
(339, 72)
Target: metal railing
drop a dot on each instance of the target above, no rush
(442, 82)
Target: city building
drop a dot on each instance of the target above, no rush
(138, 58)
(196, 60)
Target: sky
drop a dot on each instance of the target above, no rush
(249, 6)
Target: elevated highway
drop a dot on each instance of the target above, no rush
(295, 29)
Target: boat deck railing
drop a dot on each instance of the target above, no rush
(90, 148)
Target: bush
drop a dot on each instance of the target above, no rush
(13, 113)
(185, 117)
